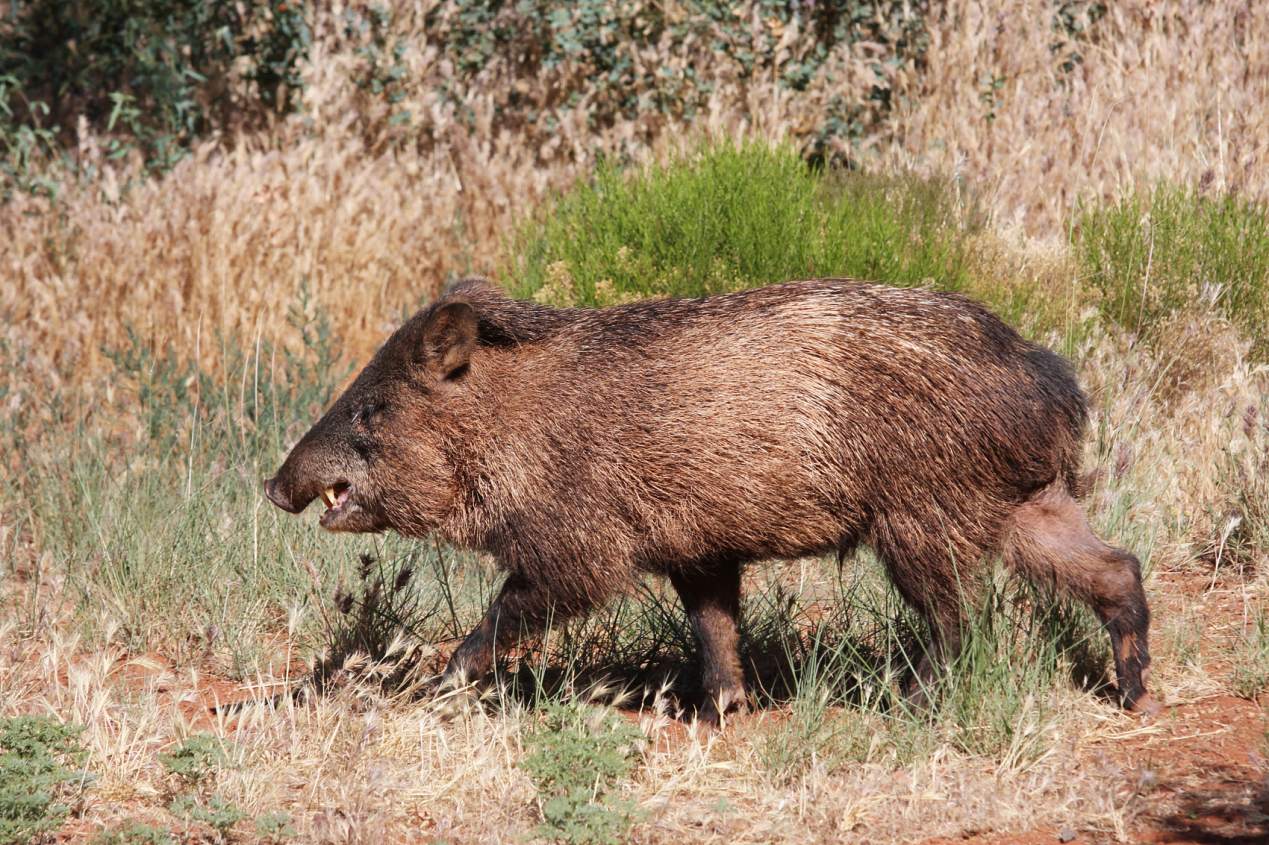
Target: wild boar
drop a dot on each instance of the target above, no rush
(687, 437)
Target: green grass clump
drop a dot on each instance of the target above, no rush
(732, 216)
(1177, 251)
(39, 764)
(1249, 670)
(274, 826)
(1021, 645)
(580, 752)
(848, 677)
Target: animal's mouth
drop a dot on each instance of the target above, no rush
(337, 499)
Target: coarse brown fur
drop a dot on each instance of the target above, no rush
(688, 437)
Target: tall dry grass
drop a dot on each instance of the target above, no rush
(374, 215)
(225, 240)
(1158, 91)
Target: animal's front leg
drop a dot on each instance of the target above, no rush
(711, 595)
(517, 610)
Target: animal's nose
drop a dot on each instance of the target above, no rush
(274, 491)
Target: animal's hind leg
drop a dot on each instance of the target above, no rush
(926, 575)
(943, 647)
(1052, 542)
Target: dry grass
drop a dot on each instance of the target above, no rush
(1163, 91)
(360, 767)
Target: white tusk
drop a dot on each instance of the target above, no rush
(328, 496)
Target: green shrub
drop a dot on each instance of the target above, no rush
(196, 760)
(39, 760)
(1176, 251)
(729, 217)
(580, 752)
(135, 833)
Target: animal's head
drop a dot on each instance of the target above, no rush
(381, 456)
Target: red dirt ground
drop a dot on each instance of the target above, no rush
(1204, 776)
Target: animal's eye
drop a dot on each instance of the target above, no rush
(366, 413)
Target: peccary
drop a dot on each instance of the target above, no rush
(688, 437)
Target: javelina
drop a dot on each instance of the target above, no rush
(688, 437)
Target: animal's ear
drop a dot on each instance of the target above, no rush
(449, 335)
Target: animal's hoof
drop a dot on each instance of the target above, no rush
(1147, 706)
(449, 701)
(715, 712)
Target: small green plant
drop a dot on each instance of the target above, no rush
(219, 814)
(580, 752)
(39, 764)
(196, 761)
(135, 833)
(274, 826)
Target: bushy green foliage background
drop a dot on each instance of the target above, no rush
(160, 73)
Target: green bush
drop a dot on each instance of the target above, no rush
(729, 217)
(580, 752)
(1176, 251)
(39, 764)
